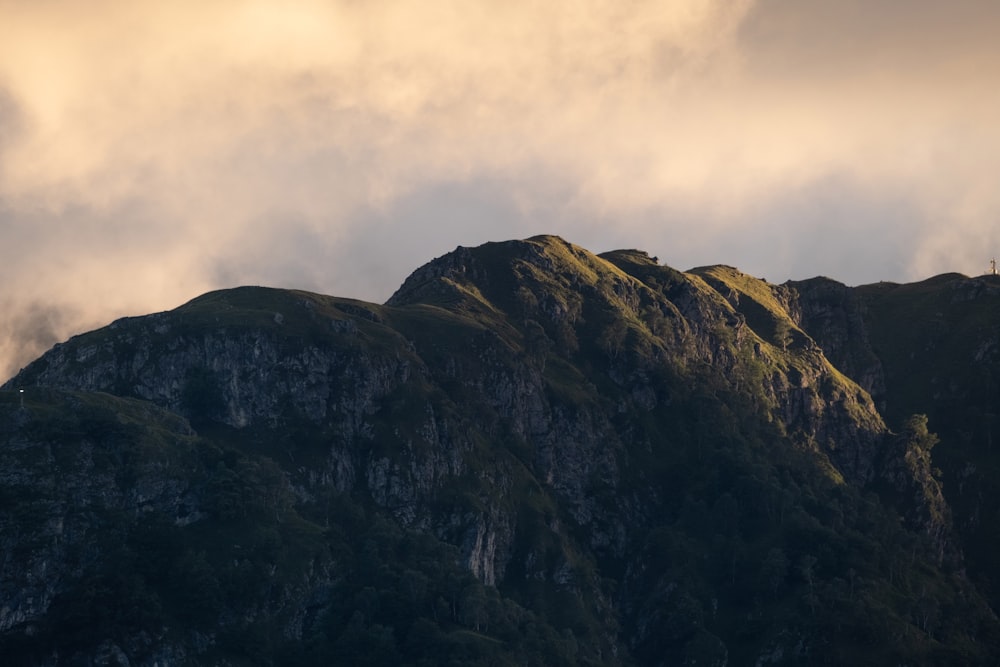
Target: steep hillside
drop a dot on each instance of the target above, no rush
(933, 348)
(529, 455)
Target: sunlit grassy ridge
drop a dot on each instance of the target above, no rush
(756, 301)
(788, 347)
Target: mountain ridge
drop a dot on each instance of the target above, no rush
(641, 459)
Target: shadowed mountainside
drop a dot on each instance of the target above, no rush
(530, 454)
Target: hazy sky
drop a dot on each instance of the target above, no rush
(151, 151)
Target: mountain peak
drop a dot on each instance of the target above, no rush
(492, 272)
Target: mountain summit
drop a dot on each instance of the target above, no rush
(530, 454)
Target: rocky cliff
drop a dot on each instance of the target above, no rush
(645, 466)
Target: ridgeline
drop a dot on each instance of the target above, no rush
(529, 455)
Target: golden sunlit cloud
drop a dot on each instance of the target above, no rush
(150, 151)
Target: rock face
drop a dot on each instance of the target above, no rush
(575, 428)
(70, 494)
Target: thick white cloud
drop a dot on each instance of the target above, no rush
(150, 151)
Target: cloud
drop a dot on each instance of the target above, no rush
(36, 328)
(151, 151)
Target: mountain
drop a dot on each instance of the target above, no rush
(530, 454)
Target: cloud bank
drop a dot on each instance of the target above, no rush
(152, 151)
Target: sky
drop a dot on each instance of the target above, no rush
(152, 151)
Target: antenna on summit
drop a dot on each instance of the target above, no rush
(993, 266)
